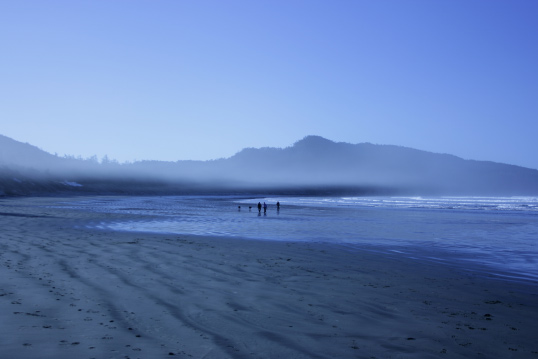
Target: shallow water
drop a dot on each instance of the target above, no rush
(500, 233)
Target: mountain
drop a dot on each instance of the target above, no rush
(317, 161)
(15, 153)
(311, 164)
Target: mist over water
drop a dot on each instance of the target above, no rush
(498, 232)
(312, 165)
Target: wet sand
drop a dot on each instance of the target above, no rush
(71, 292)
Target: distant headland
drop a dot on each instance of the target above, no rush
(312, 165)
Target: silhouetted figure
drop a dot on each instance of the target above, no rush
(278, 206)
(238, 208)
(259, 207)
(249, 208)
(264, 207)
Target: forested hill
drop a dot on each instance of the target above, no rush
(311, 163)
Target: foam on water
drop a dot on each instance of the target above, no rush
(478, 203)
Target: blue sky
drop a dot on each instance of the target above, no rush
(172, 80)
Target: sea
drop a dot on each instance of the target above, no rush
(497, 236)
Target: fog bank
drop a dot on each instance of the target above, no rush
(312, 165)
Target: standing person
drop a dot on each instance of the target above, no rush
(259, 207)
(278, 206)
(264, 207)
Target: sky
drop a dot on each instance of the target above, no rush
(198, 80)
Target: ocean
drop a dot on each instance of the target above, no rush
(493, 235)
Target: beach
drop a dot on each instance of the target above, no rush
(71, 291)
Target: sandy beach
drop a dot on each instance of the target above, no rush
(67, 291)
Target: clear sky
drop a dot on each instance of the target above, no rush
(173, 80)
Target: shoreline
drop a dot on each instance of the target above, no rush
(68, 291)
(483, 262)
